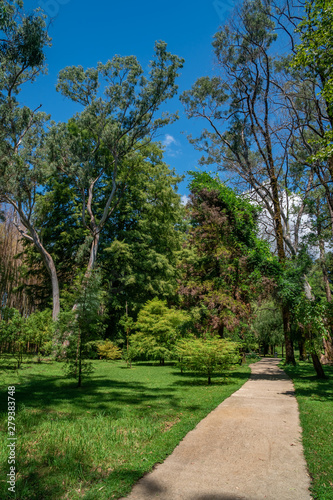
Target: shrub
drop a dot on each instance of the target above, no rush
(13, 333)
(207, 355)
(158, 329)
(39, 331)
(108, 350)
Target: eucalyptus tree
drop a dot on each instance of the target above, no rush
(22, 170)
(140, 242)
(98, 148)
(247, 133)
(313, 57)
(319, 238)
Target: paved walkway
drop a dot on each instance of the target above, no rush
(248, 448)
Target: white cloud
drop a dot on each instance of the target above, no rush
(168, 140)
(184, 199)
(172, 146)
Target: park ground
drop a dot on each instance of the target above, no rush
(97, 441)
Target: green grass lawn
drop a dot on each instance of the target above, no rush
(315, 399)
(97, 441)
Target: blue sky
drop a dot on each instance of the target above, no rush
(85, 32)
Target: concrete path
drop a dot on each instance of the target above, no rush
(248, 448)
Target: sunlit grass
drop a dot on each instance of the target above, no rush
(96, 441)
(315, 399)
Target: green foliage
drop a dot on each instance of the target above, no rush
(142, 240)
(207, 355)
(108, 350)
(23, 39)
(39, 330)
(75, 329)
(16, 332)
(315, 55)
(12, 332)
(268, 324)
(158, 328)
(310, 316)
(290, 279)
(225, 266)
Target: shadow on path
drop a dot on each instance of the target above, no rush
(152, 487)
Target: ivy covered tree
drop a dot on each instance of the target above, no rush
(225, 265)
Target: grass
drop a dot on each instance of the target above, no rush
(315, 400)
(97, 441)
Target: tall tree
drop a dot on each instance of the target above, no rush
(247, 132)
(97, 148)
(312, 98)
(22, 171)
(230, 266)
(143, 238)
(139, 243)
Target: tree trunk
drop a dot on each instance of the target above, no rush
(317, 366)
(302, 353)
(328, 343)
(290, 357)
(93, 252)
(221, 331)
(49, 263)
(80, 373)
(55, 290)
(324, 271)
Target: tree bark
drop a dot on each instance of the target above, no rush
(302, 353)
(49, 264)
(290, 356)
(93, 252)
(317, 366)
(328, 343)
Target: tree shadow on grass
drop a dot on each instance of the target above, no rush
(41, 399)
(35, 483)
(50, 392)
(308, 385)
(198, 379)
(42, 480)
